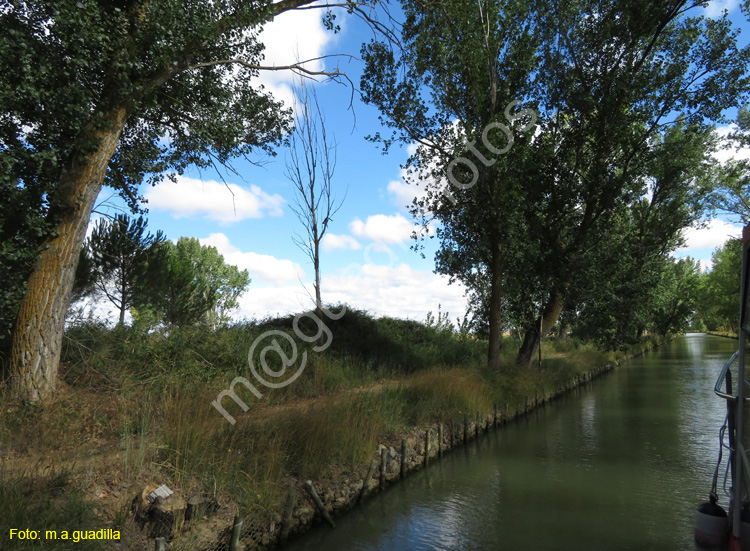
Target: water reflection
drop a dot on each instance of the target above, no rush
(622, 465)
(694, 342)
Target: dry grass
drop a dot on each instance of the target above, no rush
(44, 502)
(438, 395)
(331, 419)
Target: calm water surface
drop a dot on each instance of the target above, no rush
(619, 465)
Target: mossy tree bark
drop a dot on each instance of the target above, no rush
(38, 335)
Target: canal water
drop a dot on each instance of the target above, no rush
(621, 464)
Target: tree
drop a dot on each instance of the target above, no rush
(189, 283)
(610, 283)
(719, 296)
(118, 252)
(732, 192)
(84, 283)
(614, 75)
(310, 167)
(22, 230)
(676, 296)
(90, 91)
(604, 79)
(451, 90)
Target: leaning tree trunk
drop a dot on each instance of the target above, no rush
(532, 339)
(38, 332)
(496, 295)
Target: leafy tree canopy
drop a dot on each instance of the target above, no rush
(117, 255)
(606, 81)
(189, 283)
(719, 298)
(113, 93)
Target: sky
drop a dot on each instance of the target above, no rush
(366, 259)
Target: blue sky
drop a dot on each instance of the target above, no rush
(366, 258)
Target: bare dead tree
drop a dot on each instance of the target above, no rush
(310, 166)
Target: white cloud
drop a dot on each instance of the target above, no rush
(93, 222)
(398, 291)
(383, 228)
(716, 8)
(414, 184)
(258, 302)
(382, 285)
(331, 242)
(291, 37)
(724, 155)
(226, 203)
(262, 268)
(97, 307)
(404, 193)
(713, 235)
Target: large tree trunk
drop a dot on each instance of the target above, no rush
(532, 339)
(38, 332)
(496, 295)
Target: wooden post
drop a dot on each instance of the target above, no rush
(440, 440)
(234, 540)
(383, 465)
(403, 457)
(426, 447)
(286, 521)
(160, 544)
(319, 504)
(494, 416)
(370, 472)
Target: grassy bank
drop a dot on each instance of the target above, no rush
(136, 408)
(725, 334)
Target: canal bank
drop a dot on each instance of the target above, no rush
(723, 335)
(620, 466)
(393, 460)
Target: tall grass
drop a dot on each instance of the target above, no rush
(150, 395)
(338, 431)
(41, 503)
(249, 460)
(439, 395)
(362, 348)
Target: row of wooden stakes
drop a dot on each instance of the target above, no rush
(459, 433)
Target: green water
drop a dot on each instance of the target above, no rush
(621, 464)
